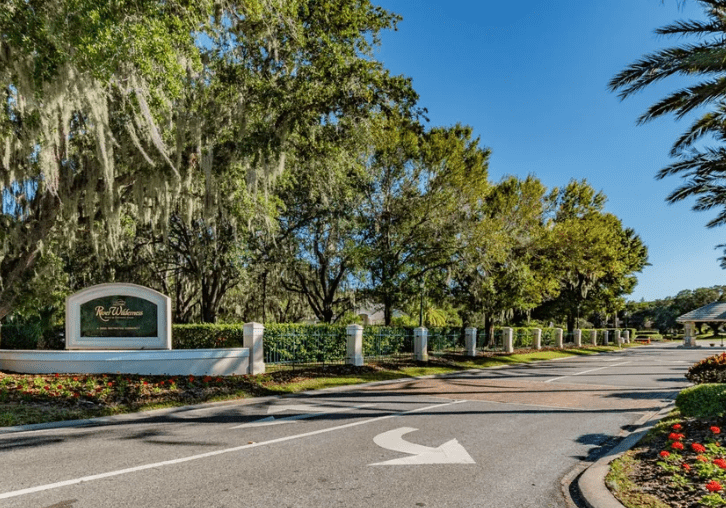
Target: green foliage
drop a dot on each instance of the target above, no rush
(206, 336)
(31, 334)
(299, 343)
(387, 341)
(592, 253)
(708, 370)
(703, 400)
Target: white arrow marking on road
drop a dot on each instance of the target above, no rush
(312, 411)
(450, 452)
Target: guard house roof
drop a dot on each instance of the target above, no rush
(715, 311)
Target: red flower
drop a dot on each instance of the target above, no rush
(677, 445)
(713, 486)
(664, 454)
(720, 463)
(110, 383)
(677, 426)
(206, 379)
(56, 375)
(701, 458)
(161, 383)
(675, 437)
(218, 380)
(698, 448)
(686, 467)
(191, 379)
(715, 430)
(60, 387)
(46, 387)
(146, 383)
(75, 379)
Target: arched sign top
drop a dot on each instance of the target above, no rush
(118, 316)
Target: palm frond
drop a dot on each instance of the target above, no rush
(709, 161)
(691, 27)
(710, 123)
(686, 60)
(686, 100)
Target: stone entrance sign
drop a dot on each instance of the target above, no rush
(118, 316)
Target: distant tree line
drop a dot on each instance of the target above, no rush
(662, 314)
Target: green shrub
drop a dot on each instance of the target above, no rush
(301, 343)
(206, 336)
(703, 401)
(24, 336)
(708, 370)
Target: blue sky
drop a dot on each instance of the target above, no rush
(531, 78)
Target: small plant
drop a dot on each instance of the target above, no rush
(709, 370)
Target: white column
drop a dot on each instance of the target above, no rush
(507, 340)
(470, 339)
(420, 344)
(253, 333)
(593, 337)
(558, 337)
(689, 338)
(626, 336)
(606, 337)
(537, 338)
(354, 345)
(577, 336)
(616, 337)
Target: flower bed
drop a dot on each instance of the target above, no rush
(682, 464)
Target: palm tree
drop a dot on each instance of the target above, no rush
(703, 169)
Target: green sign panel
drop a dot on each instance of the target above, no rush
(119, 316)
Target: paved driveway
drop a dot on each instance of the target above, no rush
(494, 438)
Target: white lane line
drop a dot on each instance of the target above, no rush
(585, 372)
(322, 410)
(100, 476)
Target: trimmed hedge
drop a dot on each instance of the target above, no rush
(703, 401)
(300, 343)
(206, 336)
(708, 370)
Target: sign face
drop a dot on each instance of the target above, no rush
(119, 316)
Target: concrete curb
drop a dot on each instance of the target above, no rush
(592, 482)
(128, 417)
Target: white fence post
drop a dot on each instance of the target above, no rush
(354, 345)
(420, 344)
(558, 338)
(253, 333)
(593, 337)
(616, 337)
(626, 336)
(537, 338)
(577, 335)
(470, 339)
(507, 340)
(606, 337)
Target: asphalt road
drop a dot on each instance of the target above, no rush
(494, 438)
